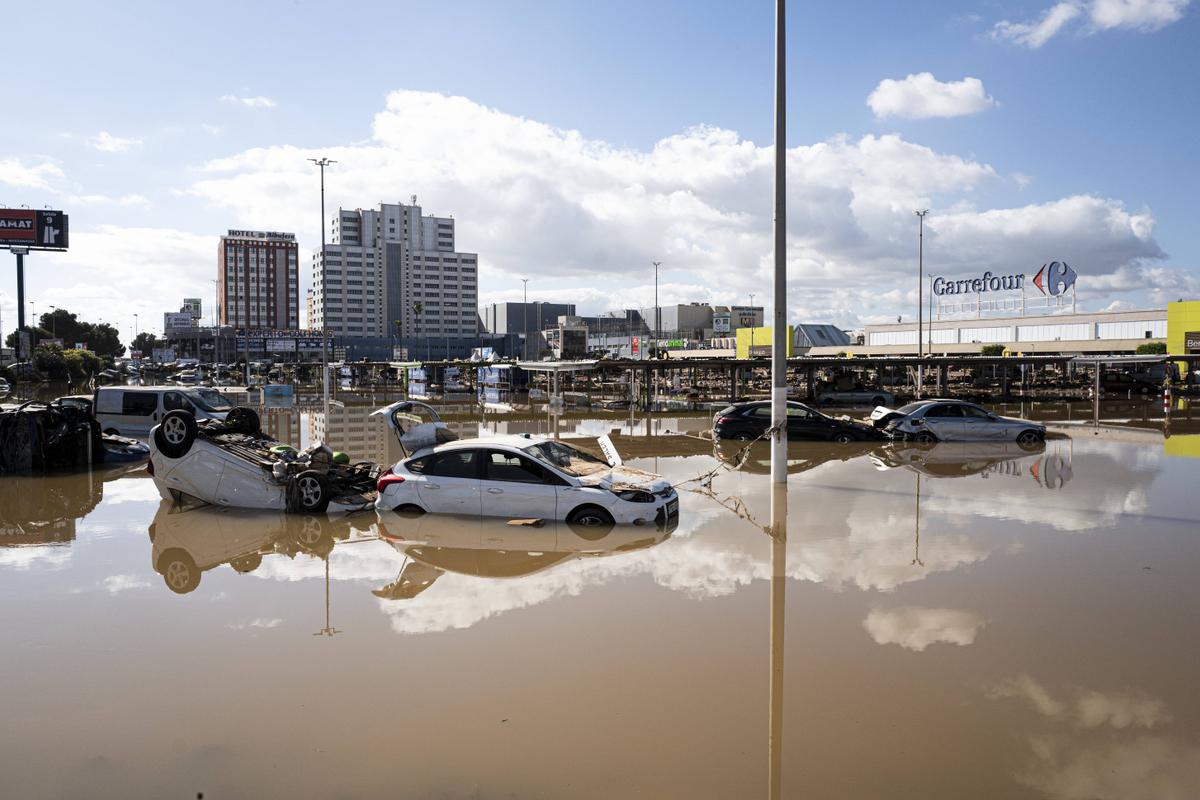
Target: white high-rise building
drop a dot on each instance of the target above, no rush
(386, 264)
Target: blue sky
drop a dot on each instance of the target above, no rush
(157, 126)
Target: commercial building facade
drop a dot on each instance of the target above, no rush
(393, 276)
(258, 280)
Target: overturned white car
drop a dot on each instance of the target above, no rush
(231, 462)
(514, 476)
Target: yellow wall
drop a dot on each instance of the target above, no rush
(1181, 318)
(761, 338)
(1186, 446)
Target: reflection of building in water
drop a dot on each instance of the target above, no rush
(37, 510)
(282, 424)
(352, 430)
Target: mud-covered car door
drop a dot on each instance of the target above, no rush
(945, 421)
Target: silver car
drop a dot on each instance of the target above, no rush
(929, 421)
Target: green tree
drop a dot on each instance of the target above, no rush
(82, 365)
(50, 362)
(992, 350)
(417, 308)
(36, 334)
(1152, 349)
(62, 324)
(146, 342)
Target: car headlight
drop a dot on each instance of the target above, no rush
(635, 496)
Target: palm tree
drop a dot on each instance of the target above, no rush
(417, 308)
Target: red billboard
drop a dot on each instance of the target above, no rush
(17, 226)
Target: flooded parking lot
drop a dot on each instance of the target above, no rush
(966, 620)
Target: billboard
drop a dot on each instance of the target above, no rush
(281, 345)
(721, 323)
(38, 229)
(178, 319)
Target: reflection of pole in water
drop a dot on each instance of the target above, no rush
(917, 562)
(778, 589)
(328, 630)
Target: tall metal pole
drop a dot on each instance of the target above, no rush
(657, 318)
(778, 417)
(779, 347)
(920, 301)
(525, 319)
(322, 163)
(20, 252)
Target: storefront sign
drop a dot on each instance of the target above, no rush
(1191, 341)
(1052, 279)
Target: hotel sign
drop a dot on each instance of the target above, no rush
(43, 230)
(290, 237)
(1052, 279)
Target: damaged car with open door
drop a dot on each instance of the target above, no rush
(521, 476)
(231, 462)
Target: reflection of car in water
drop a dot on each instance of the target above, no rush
(802, 456)
(188, 541)
(962, 459)
(44, 509)
(488, 547)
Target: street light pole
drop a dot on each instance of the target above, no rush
(525, 319)
(657, 319)
(322, 163)
(920, 299)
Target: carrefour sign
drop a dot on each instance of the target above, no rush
(1052, 279)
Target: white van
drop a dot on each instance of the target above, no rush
(134, 410)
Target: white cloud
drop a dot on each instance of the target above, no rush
(44, 175)
(128, 200)
(105, 142)
(1138, 15)
(257, 101)
(921, 96)
(123, 583)
(550, 204)
(1141, 15)
(1036, 34)
(916, 627)
(257, 622)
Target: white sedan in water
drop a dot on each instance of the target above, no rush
(519, 477)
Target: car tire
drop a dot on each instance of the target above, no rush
(246, 563)
(176, 433)
(926, 438)
(243, 420)
(313, 491)
(844, 438)
(590, 522)
(877, 401)
(179, 571)
(1029, 439)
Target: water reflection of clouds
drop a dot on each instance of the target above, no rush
(1102, 745)
(917, 627)
(55, 556)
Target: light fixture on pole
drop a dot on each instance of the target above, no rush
(525, 319)
(920, 297)
(322, 163)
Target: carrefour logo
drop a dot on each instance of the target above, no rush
(1052, 279)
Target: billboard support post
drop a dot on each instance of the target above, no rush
(20, 253)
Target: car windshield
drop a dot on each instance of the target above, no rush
(566, 458)
(209, 399)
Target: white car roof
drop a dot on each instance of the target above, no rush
(518, 441)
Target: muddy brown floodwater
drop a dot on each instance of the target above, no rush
(968, 621)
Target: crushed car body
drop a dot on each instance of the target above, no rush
(231, 462)
(520, 476)
(60, 434)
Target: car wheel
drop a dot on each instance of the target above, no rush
(312, 491)
(925, 437)
(246, 563)
(590, 522)
(877, 401)
(175, 434)
(243, 420)
(179, 571)
(1029, 439)
(844, 438)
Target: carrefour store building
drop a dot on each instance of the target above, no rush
(1028, 314)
